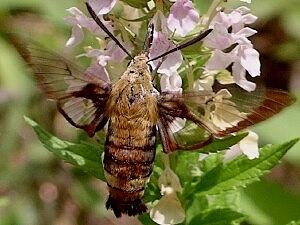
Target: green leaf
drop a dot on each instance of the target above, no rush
(146, 220)
(136, 3)
(270, 203)
(222, 144)
(216, 217)
(85, 156)
(241, 171)
(294, 223)
(211, 161)
(188, 162)
(4, 201)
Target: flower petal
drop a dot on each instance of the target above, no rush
(169, 179)
(183, 17)
(239, 75)
(168, 210)
(247, 1)
(102, 6)
(219, 60)
(76, 37)
(204, 83)
(249, 145)
(79, 19)
(219, 38)
(232, 152)
(161, 44)
(250, 61)
(245, 32)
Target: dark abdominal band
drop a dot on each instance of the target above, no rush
(128, 168)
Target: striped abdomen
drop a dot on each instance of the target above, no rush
(128, 159)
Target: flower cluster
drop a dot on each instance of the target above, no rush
(231, 45)
(227, 55)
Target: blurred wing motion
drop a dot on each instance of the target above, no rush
(81, 96)
(215, 114)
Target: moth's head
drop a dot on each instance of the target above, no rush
(139, 63)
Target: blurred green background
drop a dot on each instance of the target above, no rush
(37, 188)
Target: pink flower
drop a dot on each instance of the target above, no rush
(170, 79)
(237, 19)
(99, 71)
(183, 17)
(243, 57)
(79, 20)
(102, 6)
(161, 44)
(112, 52)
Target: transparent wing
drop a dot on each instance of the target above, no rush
(216, 113)
(81, 96)
(238, 110)
(178, 128)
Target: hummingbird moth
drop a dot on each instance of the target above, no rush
(137, 114)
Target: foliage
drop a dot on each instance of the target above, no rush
(205, 191)
(25, 167)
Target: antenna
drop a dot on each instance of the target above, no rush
(184, 45)
(103, 27)
(149, 38)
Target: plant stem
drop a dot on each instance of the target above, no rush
(212, 11)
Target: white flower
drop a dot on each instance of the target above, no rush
(243, 57)
(247, 1)
(247, 146)
(79, 20)
(205, 82)
(168, 210)
(225, 113)
(171, 83)
(183, 17)
(102, 6)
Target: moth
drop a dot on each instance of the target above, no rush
(137, 114)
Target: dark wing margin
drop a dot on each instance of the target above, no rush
(258, 105)
(81, 96)
(248, 108)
